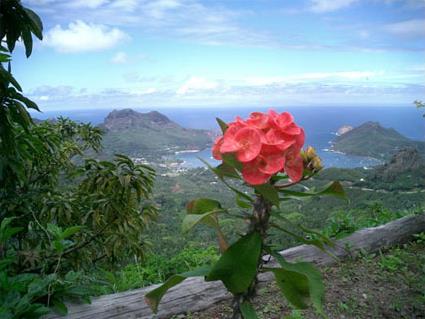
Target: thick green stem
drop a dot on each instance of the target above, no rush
(259, 223)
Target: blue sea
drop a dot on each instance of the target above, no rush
(320, 124)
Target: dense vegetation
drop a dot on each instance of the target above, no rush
(60, 213)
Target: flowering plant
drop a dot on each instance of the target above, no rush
(265, 145)
(265, 152)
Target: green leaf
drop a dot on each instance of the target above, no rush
(10, 78)
(202, 205)
(225, 170)
(71, 231)
(60, 307)
(301, 283)
(153, 297)
(230, 159)
(319, 242)
(190, 220)
(4, 58)
(237, 267)
(6, 232)
(27, 38)
(315, 242)
(248, 312)
(269, 192)
(222, 124)
(333, 188)
(59, 246)
(55, 230)
(294, 287)
(241, 203)
(36, 24)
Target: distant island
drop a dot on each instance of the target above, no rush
(372, 140)
(150, 134)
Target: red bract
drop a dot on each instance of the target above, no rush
(265, 144)
(246, 143)
(216, 148)
(294, 165)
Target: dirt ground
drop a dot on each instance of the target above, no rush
(383, 285)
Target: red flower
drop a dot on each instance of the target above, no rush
(246, 143)
(281, 140)
(265, 144)
(258, 120)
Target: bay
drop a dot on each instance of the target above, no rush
(320, 125)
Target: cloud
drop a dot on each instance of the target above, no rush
(92, 4)
(126, 5)
(83, 37)
(120, 58)
(158, 9)
(196, 84)
(323, 6)
(343, 76)
(206, 22)
(408, 28)
(212, 93)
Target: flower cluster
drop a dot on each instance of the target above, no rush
(265, 144)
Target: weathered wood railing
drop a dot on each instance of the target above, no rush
(194, 294)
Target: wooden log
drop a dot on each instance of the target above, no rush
(195, 294)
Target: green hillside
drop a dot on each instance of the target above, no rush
(371, 139)
(149, 134)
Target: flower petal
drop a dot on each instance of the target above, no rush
(252, 175)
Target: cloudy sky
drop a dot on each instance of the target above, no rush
(173, 53)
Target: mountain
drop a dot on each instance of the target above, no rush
(149, 134)
(371, 139)
(127, 119)
(406, 163)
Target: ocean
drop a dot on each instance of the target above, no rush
(320, 125)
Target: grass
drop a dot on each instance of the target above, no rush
(154, 269)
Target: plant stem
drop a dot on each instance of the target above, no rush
(259, 223)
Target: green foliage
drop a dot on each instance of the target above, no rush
(59, 210)
(301, 283)
(332, 188)
(237, 267)
(154, 296)
(248, 312)
(25, 295)
(153, 269)
(393, 262)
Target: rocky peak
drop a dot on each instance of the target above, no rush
(127, 118)
(344, 129)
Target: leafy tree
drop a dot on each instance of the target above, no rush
(59, 210)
